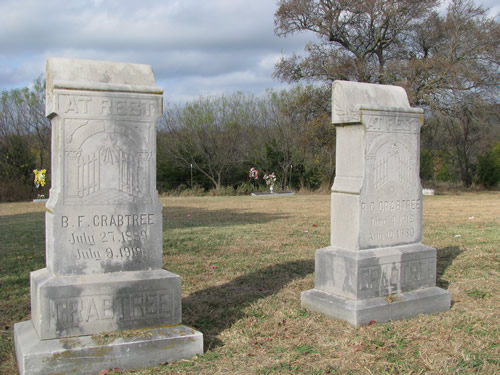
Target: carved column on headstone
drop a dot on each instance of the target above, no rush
(376, 223)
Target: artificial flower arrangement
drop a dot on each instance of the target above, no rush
(39, 177)
(270, 180)
(253, 173)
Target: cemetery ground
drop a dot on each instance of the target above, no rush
(244, 262)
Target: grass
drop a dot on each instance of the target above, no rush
(244, 262)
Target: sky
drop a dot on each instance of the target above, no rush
(196, 47)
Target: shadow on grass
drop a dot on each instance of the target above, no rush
(186, 217)
(445, 257)
(215, 309)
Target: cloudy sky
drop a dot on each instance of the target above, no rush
(196, 47)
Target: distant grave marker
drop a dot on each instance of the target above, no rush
(376, 268)
(104, 242)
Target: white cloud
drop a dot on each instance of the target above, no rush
(268, 62)
(196, 45)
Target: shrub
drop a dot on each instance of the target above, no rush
(488, 172)
(15, 191)
(426, 165)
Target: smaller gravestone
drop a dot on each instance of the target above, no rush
(104, 299)
(376, 268)
(428, 191)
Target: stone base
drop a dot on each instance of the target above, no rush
(274, 194)
(79, 305)
(133, 349)
(364, 274)
(378, 309)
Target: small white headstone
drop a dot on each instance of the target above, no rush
(428, 191)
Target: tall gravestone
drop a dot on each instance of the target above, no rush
(377, 268)
(104, 299)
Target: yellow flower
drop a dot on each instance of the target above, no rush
(39, 177)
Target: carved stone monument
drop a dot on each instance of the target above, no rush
(376, 268)
(104, 299)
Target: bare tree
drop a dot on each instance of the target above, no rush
(470, 127)
(22, 112)
(451, 57)
(210, 134)
(298, 136)
(447, 63)
(356, 38)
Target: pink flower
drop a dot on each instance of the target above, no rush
(253, 173)
(212, 267)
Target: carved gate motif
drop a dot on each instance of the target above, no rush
(107, 167)
(391, 162)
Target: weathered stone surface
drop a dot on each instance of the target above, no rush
(377, 186)
(129, 350)
(376, 226)
(358, 312)
(374, 273)
(349, 98)
(64, 306)
(104, 245)
(103, 214)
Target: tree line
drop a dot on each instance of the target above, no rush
(24, 141)
(221, 138)
(448, 62)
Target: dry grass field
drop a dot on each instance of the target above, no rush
(244, 262)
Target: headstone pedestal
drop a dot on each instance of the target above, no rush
(377, 268)
(104, 299)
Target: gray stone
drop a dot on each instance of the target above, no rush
(127, 350)
(75, 305)
(374, 273)
(40, 200)
(380, 309)
(103, 214)
(376, 225)
(104, 245)
(274, 194)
